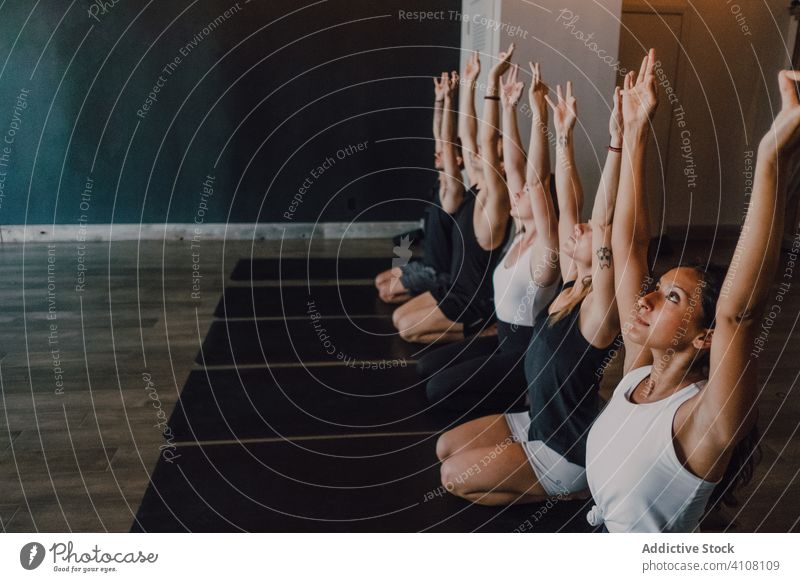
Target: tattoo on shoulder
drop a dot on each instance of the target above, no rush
(604, 256)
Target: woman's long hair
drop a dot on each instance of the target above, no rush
(586, 288)
(747, 452)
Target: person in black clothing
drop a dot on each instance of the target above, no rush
(481, 223)
(487, 374)
(540, 453)
(399, 284)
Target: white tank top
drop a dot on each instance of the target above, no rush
(517, 299)
(636, 479)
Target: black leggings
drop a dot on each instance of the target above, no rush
(481, 375)
(438, 241)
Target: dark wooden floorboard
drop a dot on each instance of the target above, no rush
(136, 318)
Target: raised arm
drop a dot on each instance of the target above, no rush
(568, 184)
(631, 233)
(601, 321)
(538, 169)
(492, 204)
(468, 120)
(439, 90)
(513, 153)
(452, 195)
(727, 406)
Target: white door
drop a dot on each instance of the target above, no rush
(475, 37)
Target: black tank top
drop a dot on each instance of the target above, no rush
(564, 372)
(472, 266)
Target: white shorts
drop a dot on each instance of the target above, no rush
(557, 475)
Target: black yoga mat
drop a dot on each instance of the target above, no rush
(353, 300)
(309, 268)
(297, 402)
(347, 486)
(310, 339)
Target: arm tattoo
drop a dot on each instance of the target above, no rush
(563, 140)
(604, 256)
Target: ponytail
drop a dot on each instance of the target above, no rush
(567, 309)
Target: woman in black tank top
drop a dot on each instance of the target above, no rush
(485, 375)
(481, 224)
(527, 457)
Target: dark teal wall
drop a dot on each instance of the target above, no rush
(79, 119)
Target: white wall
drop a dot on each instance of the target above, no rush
(729, 103)
(719, 81)
(546, 31)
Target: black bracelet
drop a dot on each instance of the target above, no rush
(615, 150)
(493, 97)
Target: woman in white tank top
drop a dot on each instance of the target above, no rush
(486, 374)
(681, 420)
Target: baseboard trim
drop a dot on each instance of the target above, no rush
(211, 231)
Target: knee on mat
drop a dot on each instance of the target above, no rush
(453, 479)
(407, 333)
(444, 446)
(406, 326)
(397, 317)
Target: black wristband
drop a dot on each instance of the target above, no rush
(492, 97)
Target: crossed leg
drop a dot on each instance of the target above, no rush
(482, 463)
(421, 321)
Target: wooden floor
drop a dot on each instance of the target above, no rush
(79, 427)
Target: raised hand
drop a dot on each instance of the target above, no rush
(565, 112)
(450, 82)
(439, 87)
(503, 63)
(472, 69)
(538, 92)
(615, 124)
(640, 96)
(511, 89)
(783, 137)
